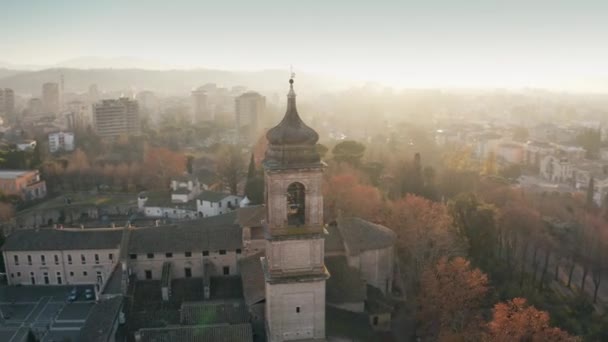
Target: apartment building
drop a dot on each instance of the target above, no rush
(113, 118)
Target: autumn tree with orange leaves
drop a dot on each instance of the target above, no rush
(160, 165)
(515, 321)
(452, 295)
(344, 194)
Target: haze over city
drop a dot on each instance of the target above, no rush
(549, 44)
(274, 171)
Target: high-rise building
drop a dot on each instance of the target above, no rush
(35, 106)
(116, 117)
(7, 101)
(50, 97)
(249, 107)
(200, 107)
(294, 267)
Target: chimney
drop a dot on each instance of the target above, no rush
(112, 225)
(82, 226)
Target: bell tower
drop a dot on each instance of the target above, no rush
(293, 267)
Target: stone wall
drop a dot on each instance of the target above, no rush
(295, 310)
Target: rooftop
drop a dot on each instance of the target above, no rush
(210, 234)
(215, 333)
(251, 216)
(212, 196)
(214, 312)
(63, 239)
(345, 285)
(12, 174)
(360, 235)
(252, 277)
(101, 320)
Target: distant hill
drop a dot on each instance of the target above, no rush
(7, 72)
(162, 81)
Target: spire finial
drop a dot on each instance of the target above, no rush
(291, 93)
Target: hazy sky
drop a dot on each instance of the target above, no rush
(450, 42)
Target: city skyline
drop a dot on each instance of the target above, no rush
(402, 44)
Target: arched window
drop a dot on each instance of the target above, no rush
(296, 200)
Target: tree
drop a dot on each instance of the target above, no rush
(425, 233)
(254, 188)
(590, 193)
(346, 194)
(230, 165)
(321, 150)
(514, 320)
(78, 170)
(452, 294)
(349, 151)
(475, 222)
(160, 165)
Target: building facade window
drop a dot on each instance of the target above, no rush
(110, 256)
(169, 255)
(84, 273)
(297, 309)
(97, 258)
(59, 279)
(148, 274)
(83, 259)
(238, 251)
(133, 256)
(69, 259)
(188, 254)
(226, 270)
(205, 253)
(188, 272)
(29, 260)
(150, 255)
(56, 259)
(46, 278)
(222, 251)
(71, 274)
(42, 260)
(16, 260)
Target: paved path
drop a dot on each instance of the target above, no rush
(33, 316)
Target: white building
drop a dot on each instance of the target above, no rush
(26, 145)
(61, 141)
(184, 189)
(61, 256)
(556, 169)
(210, 203)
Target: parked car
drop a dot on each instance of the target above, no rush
(88, 294)
(73, 295)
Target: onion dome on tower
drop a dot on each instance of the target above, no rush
(291, 143)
